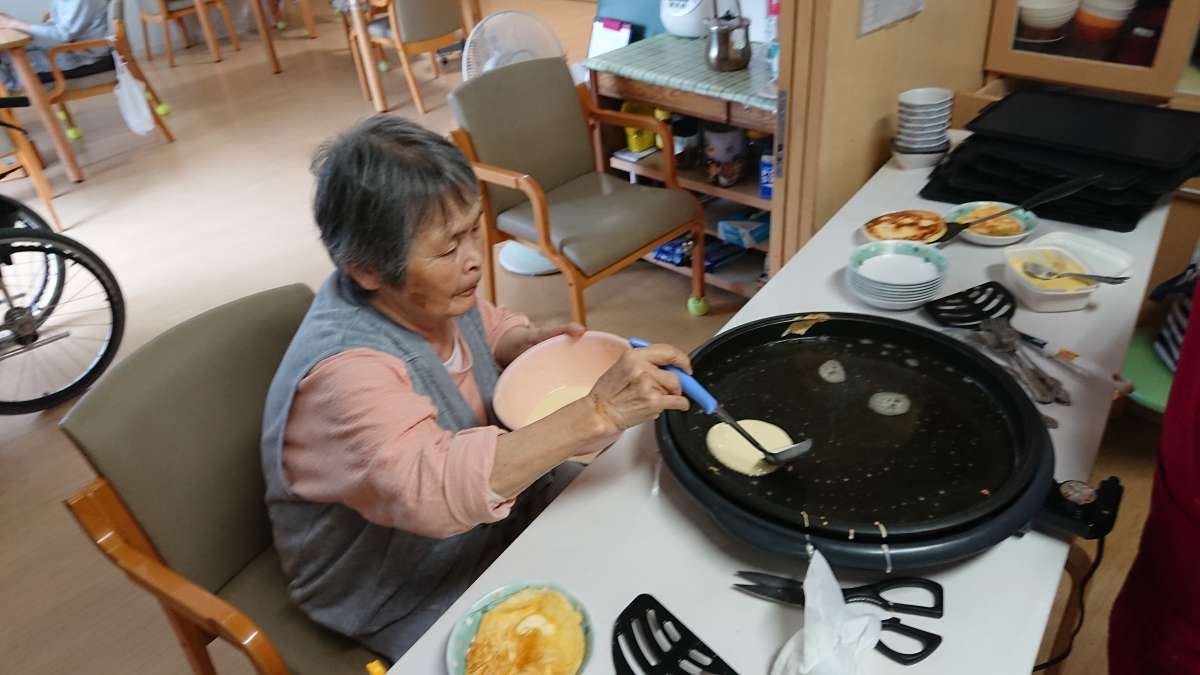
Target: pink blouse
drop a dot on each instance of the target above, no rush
(359, 434)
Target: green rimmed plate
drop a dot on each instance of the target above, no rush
(1028, 220)
(464, 630)
(875, 249)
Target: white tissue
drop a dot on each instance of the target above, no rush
(835, 636)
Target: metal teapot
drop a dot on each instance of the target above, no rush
(728, 45)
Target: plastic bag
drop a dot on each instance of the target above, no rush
(131, 99)
(836, 636)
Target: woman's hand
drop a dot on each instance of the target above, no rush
(516, 341)
(635, 389)
(632, 391)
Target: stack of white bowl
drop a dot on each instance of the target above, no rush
(1048, 15)
(1113, 10)
(921, 124)
(896, 275)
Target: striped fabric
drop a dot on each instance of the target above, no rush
(1170, 338)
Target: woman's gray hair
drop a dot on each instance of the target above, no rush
(377, 184)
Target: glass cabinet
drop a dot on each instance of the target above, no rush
(1136, 46)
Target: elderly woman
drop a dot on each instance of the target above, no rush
(70, 21)
(389, 486)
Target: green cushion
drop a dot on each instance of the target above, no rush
(1146, 371)
(260, 590)
(597, 219)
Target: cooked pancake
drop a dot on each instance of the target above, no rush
(906, 225)
(1004, 226)
(535, 632)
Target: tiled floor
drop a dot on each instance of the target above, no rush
(225, 212)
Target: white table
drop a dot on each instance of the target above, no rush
(617, 531)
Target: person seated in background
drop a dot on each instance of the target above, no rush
(389, 485)
(70, 21)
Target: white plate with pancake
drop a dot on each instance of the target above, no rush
(518, 617)
(1002, 231)
(918, 226)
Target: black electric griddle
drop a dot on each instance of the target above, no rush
(969, 464)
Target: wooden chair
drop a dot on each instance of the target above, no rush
(65, 90)
(16, 145)
(278, 14)
(173, 434)
(164, 12)
(527, 129)
(371, 11)
(413, 27)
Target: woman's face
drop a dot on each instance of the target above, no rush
(444, 269)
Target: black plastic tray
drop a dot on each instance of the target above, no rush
(1127, 132)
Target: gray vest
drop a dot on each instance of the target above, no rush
(355, 577)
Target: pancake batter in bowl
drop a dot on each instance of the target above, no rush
(557, 399)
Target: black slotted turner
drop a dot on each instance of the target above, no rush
(969, 308)
(644, 627)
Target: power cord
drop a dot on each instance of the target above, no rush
(1080, 592)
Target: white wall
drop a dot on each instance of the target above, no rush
(27, 10)
(756, 11)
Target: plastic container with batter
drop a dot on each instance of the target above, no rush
(1090, 255)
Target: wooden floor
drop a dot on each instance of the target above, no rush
(225, 212)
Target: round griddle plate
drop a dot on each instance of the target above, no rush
(966, 449)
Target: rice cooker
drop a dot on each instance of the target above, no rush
(685, 18)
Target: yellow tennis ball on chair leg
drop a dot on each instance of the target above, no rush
(62, 116)
(162, 109)
(74, 133)
(384, 66)
(697, 306)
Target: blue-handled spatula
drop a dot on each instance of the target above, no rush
(709, 404)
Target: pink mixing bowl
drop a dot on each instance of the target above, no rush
(558, 362)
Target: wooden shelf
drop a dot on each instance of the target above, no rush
(739, 276)
(696, 180)
(719, 209)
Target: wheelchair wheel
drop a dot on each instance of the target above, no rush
(49, 288)
(53, 345)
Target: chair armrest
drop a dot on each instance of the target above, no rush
(99, 43)
(174, 591)
(528, 185)
(60, 82)
(624, 119)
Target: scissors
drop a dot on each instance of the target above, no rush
(791, 592)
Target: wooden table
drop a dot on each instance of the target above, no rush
(13, 43)
(264, 30)
(358, 21)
